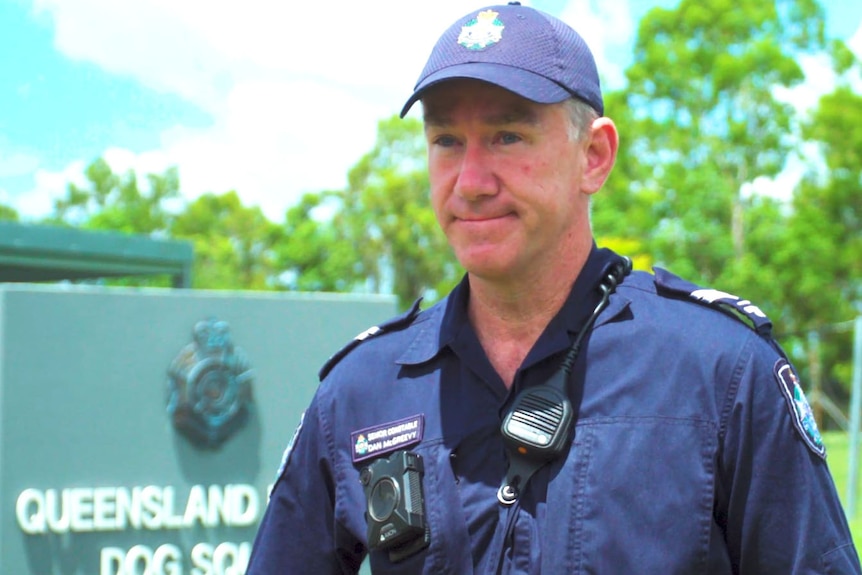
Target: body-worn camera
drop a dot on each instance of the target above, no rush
(395, 510)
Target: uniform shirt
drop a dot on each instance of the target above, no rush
(687, 454)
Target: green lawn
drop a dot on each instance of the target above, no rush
(837, 453)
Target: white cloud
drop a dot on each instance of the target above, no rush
(16, 163)
(295, 89)
(608, 28)
(121, 161)
(855, 41)
(820, 79)
(145, 40)
(48, 186)
(19, 164)
(203, 50)
(781, 187)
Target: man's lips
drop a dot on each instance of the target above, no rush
(474, 218)
(484, 226)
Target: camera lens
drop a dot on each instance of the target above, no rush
(384, 498)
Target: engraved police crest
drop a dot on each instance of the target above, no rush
(209, 385)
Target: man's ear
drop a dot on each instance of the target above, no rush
(601, 152)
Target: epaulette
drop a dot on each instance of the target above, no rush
(669, 284)
(394, 324)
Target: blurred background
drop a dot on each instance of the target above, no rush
(265, 134)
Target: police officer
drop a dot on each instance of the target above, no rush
(555, 413)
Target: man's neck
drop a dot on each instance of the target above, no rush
(509, 317)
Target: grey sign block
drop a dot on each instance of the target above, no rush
(95, 477)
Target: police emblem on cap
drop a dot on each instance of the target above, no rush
(800, 410)
(482, 31)
(209, 385)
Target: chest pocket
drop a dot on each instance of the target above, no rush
(635, 495)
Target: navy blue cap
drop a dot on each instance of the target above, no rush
(517, 48)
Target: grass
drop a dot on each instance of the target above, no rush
(838, 453)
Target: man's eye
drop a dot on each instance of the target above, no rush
(445, 141)
(509, 138)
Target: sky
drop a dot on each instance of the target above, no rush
(266, 97)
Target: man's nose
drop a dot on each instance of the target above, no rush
(475, 177)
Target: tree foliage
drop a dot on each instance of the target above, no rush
(701, 119)
(233, 244)
(8, 214)
(311, 253)
(387, 216)
(818, 265)
(381, 234)
(117, 202)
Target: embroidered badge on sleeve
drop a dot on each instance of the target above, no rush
(800, 410)
(286, 456)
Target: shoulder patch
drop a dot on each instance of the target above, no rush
(668, 283)
(285, 458)
(800, 410)
(394, 324)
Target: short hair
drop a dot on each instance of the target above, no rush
(581, 116)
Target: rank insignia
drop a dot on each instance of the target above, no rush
(800, 410)
(482, 31)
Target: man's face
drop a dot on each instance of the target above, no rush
(505, 179)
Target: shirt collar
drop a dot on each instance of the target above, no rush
(437, 327)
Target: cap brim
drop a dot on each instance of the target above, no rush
(522, 82)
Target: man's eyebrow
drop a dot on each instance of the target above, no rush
(435, 119)
(518, 115)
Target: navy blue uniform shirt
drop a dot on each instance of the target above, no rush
(688, 455)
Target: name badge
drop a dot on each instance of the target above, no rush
(386, 438)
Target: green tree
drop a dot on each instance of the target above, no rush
(117, 202)
(622, 212)
(311, 254)
(233, 243)
(388, 217)
(699, 121)
(818, 266)
(702, 120)
(8, 213)
(380, 233)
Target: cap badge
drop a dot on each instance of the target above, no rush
(482, 31)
